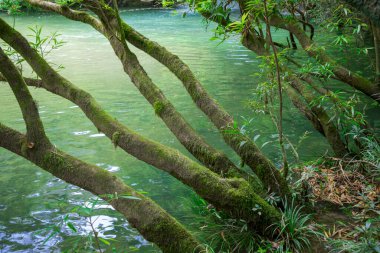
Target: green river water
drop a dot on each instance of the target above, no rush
(32, 200)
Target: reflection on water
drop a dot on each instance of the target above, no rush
(32, 200)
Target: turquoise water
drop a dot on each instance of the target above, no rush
(32, 200)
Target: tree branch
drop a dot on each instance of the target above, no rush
(356, 81)
(154, 223)
(250, 153)
(110, 28)
(232, 195)
(35, 130)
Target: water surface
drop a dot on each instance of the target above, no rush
(32, 199)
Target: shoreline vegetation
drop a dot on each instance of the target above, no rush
(330, 204)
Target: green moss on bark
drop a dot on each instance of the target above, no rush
(158, 107)
(115, 138)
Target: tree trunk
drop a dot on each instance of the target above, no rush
(235, 196)
(250, 154)
(329, 129)
(356, 81)
(300, 104)
(154, 223)
(376, 42)
(144, 214)
(194, 143)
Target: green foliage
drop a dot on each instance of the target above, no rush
(224, 234)
(295, 229)
(324, 71)
(257, 10)
(44, 45)
(12, 7)
(84, 242)
(369, 154)
(342, 16)
(167, 3)
(266, 98)
(239, 26)
(340, 40)
(91, 210)
(350, 121)
(68, 3)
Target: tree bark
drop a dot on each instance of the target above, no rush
(194, 143)
(149, 219)
(356, 81)
(324, 124)
(250, 153)
(376, 42)
(154, 223)
(234, 195)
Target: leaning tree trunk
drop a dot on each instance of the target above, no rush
(314, 114)
(330, 131)
(341, 73)
(233, 195)
(250, 154)
(142, 213)
(195, 144)
(376, 42)
(154, 223)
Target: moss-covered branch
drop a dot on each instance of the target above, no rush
(250, 154)
(235, 196)
(221, 119)
(151, 221)
(154, 223)
(318, 116)
(341, 73)
(64, 10)
(35, 131)
(193, 142)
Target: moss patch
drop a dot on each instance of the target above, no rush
(115, 138)
(158, 107)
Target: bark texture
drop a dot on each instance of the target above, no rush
(249, 152)
(318, 116)
(194, 143)
(250, 155)
(232, 195)
(149, 219)
(154, 223)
